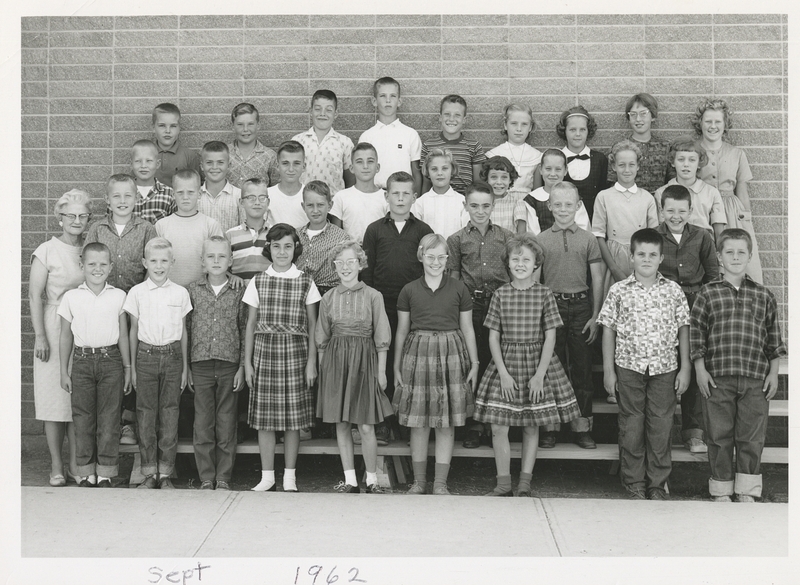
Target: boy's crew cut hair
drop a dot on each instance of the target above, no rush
(621, 146)
(556, 152)
(429, 241)
(646, 236)
(519, 241)
(676, 193)
(186, 175)
(325, 94)
(77, 196)
(442, 153)
(566, 186)
(511, 108)
(384, 81)
(364, 146)
(158, 243)
(688, 146)
(291, 146)
(718, 104)
(352, 245)
(144, 143)
(256, 182)
(498, 163)
(278, 232)
(591, 123)
(166, 108)
(215, 146)
(453, 98)
(120, 178)
(95, 247)
(243, 108)
(647, 100)
(320, 188)
(734, 234)
(216, 240)
(398, 177)
(478, 187)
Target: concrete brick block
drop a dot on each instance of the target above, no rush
(475, 52)
(329, 36)
(284, 105)
(81, 23)
(146, 89)
(539, 104)
(677, 51)
(275, 21)
(652, 19)
(78, 173)
(278, 87)
(543, 86)
(694, 86)
(766, 190)
(210, 38)
(29, 90)
(767, 225)
(33, 73)
(476, 69)
(341, 53)
(564, 68)
(757, 121)
(275, 54)
(393, 20)
(214, 55)
(771, 242)
(33, 56)
(420, 87)
(609, 51)
(34, 123)
(138, 123)
(343, 70)
(80, 89)
(468, 87)
(35, 191)
(34, 40)
(491, 121)
(680, 68)
(31, 223)
(542, 34)
(474, 20)
(466, 35)
(26, 377)
(80, 123)
(418, 105)
(34, 140)
(399, 69)
(146, 22)
(341, 20)
(154, 71)
(276, 36)
(80, 72)
(771, 259)
(748, 50)
(405, 53)
(150, 55)
(198, 71)
(81, 106)
(543, 20)
(146, 38)
(34, 23)
(610, 19)
(81, 39)
(76, 156)
(33, 207)
(211, 88)
(766, 155)
(610, 34)
(33, 157)
(678, 34)
(743, 33)
(275, 71)
(411, 36)
(218, 122)
(735, 85)
(31, 427)
(624, 86)
(610, 69)
(34, 173)
(544, 52)
(766, 172)
(211, 21)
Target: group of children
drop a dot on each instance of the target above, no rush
(317, 280)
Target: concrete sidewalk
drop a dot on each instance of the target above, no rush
(72, 522)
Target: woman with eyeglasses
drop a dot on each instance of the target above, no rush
(55, 269)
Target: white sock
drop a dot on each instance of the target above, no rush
(350, 477)
(101, 478)
(372, 478)
(267, 481)
(289, 480)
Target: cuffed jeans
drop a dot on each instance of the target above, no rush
(735, 414)
(97, 381)
(575, 313)
(691, 406)
(646, 407)
(215, 414)
(158, 389)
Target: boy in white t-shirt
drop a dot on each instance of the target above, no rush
(286, 198)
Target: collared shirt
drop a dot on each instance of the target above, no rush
(577, 168)
(567, 254)
(510, 209)
(247, 245)
(159, 310)
(646, 321)
(444, 212)
(94, 319)
(174, 159)
(224, 207)
(397, 146)
(618, 212)
(692, 262)
(262, 163)
(707, 205)
(653, 165)
(736, 331)
(524, 158)
(435, 310)
(217, 324)
(478, 257)
(726, 168)
(317, 256)
(326, 159)
(544, 215)
(159, 203)
(466, 152)
(285, 208)
(356, 311)
(251, 292)
(357, 210)
(127, 249)
(392, 257)
(187, 234)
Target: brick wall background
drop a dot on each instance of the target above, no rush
(89, 84)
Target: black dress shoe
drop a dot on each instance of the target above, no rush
(584, 441)
(473, 440)
(547, 440)
(104, 483)
(524, 494)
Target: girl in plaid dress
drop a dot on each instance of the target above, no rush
(437, 370)
(525, 385)
(280, 353)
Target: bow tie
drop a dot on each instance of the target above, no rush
(577, 156)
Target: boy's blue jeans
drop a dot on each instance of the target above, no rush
(736, 414)
(215, 414)
(97, 380)
(158, 392)
(575, 313)
(646, 406)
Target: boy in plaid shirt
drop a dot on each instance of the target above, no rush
(736, 347)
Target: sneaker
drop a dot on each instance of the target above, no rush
(346, 488)
(611, 399)
(128, 436)
(89, 481)
(223, 485)
(207, 485)
(305, 434)
(149, 483)
(442, 490)
(374, 489)
(657, 494)
(165, 483)
(356, 436)
(547, 440)
(584, 441)
(104, 483)
(418, 488)
(696, 445)
(382, 435)
(636, 493)
(745, 499)
(721, 499)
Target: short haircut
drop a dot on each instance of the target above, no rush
(144, 143)
(98, 247)
(166, 108)
(158, 243)
(624, 145)
(429, 241)
(561, 126)
(255, 181)
(320, 188)
(216, 240)
(76, 196)
(325, 94)
(647, 100)
(215, 146)
(186, 175)
(498, 163)
(734, 234)
(120, 178)
(384, 81)
(478, 187)
(676, 193)
(688, 146)
(519, 241)
(510, 109)
(243, 108)
(565, 186)
(646, 236)
(398, 177)
(718, 104)
(363, 146)
(278, 232)
(557, 153)
(291, 146)
(453, 99)
(349, 245)
(442, 153)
